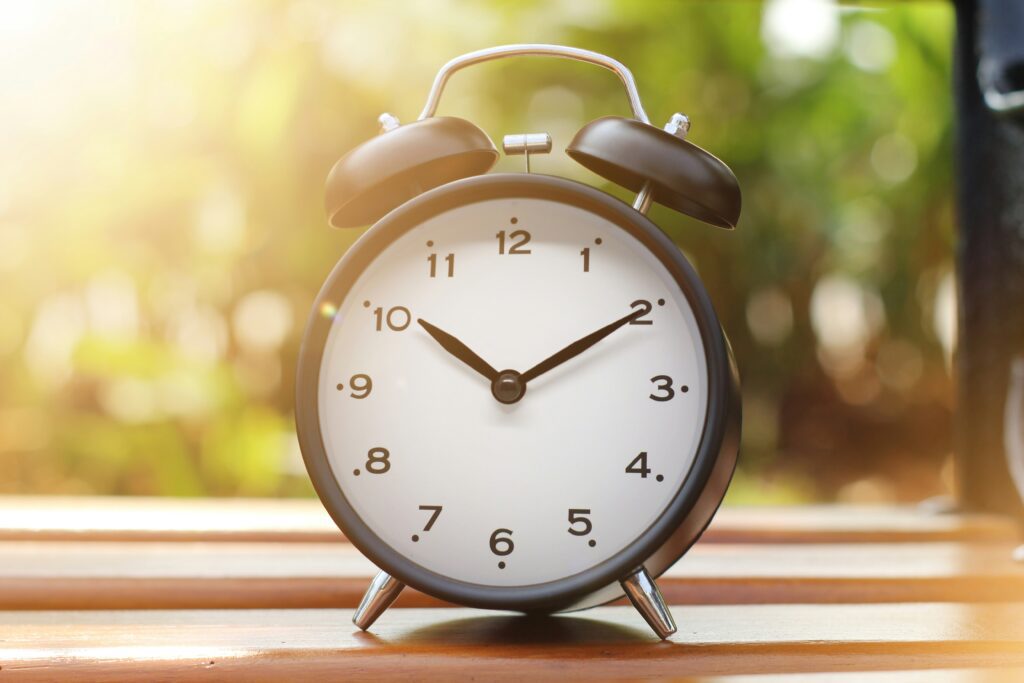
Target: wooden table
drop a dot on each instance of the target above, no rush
(145, 589)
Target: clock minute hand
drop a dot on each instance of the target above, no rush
(459, 350)
(577, 347)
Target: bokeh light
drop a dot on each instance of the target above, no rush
(162, 237)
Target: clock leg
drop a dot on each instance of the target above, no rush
(645, 596)
(382, 592)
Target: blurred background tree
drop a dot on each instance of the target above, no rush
(162, 234)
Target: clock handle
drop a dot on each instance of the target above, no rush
(382, 592)
(501, 51)
(645, 596)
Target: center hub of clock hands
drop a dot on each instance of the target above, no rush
(509, 386)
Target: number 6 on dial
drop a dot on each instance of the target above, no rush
(502, 545)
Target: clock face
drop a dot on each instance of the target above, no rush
(543, 486)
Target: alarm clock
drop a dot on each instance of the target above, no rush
(513, 391)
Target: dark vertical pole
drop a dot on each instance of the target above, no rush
(990, 264)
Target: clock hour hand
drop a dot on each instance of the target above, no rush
(459, 350)
(577, 347)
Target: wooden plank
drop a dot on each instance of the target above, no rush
(855, 524)
(257, 645)
(989, 675)
(164, 519)
(106, 575)
(304, 521)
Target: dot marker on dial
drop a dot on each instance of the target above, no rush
(598, 241)
(684, 388)
(366, 304)
(341, 387)
(661, 302)
(355, 472)
(660, 477)
(415, 538)
(501, 565)
(591, 543)
(430, 243)
(514, 220)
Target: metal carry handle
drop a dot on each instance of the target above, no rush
(502, 51)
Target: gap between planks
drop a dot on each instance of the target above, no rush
(304, 521)
(147, 575)
(603, 643)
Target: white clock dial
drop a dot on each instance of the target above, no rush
(551, 485)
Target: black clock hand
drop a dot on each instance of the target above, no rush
(459, 350)
(577, 347)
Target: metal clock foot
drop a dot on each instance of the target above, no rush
(645, 596)
(382, 592)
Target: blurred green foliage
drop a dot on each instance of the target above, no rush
(162, 234)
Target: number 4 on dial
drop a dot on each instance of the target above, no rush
(638, 465)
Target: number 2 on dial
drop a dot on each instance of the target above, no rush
(641, 305)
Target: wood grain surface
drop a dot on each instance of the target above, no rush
(175, 575)
(304, 521)
(221, 589)
(258, 645)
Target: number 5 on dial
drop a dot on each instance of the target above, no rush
(579, 516)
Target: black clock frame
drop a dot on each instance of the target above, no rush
(697, 498)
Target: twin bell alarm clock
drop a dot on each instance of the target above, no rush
(513, 391)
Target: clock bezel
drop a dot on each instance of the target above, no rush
(693, 504)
